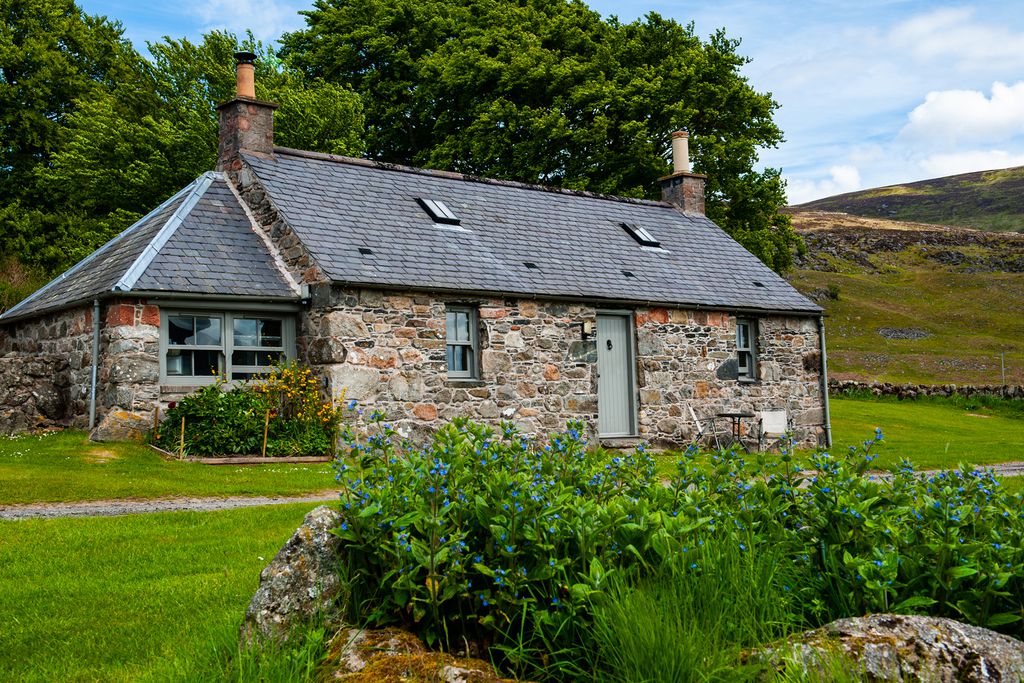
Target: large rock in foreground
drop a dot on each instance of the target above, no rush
(392, 656)
(300, 583)
(891, 647)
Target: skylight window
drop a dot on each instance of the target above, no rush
(438, 211)
(644, 238)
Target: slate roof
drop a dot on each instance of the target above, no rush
(200, 241)
(337, 205)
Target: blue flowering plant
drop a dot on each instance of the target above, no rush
(494, 538)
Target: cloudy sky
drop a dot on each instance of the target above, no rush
(872, 92)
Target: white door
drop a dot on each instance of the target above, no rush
(614, 376)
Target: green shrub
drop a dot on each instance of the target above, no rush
(222, 420)
(513, 544)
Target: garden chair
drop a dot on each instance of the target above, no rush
(707, 430)
(773, 427)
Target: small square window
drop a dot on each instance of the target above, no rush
(462, 342)
(746, 349)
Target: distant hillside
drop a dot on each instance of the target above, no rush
(987, 200)
(911, 302)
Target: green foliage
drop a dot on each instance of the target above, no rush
(52, 57)
(224, 421)
(514, 544)
(548, 92)
(737, 600)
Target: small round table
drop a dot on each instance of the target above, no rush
(736, 417)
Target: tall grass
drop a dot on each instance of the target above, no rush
(693, 620)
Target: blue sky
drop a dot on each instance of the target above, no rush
(872, 92)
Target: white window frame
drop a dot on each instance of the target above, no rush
(473, 372)
(226, 347)
(750, 350)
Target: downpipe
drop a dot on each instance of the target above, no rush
(824, 382)
(95, 361)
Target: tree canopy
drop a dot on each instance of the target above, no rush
(546, 91)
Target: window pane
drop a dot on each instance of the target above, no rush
(179, 363)
(246, 332)
(255, 358)
(459, 359)
(450, 325)
(743, 336)
(206, 363)
(207, 331)
(270, 332)
(464, 319)
(179, 330)
(744, 362)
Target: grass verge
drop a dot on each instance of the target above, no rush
(931, 433)
(136, 598)
(66, 466)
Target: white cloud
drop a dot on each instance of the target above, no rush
(950, 117)
(267, 19)
(938, 165)
(953, 33)
(842, 178)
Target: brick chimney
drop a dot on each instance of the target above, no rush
(245, 122)
(682, 188)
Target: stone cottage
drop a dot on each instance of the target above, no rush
(425, 294)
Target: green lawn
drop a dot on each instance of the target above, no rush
(66, 466)
(929, 435)
(137, 598)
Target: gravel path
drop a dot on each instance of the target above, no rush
(110, 508)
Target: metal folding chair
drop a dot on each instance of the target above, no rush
(773, 426)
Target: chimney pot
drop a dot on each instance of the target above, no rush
(680, 152)
(245, 75)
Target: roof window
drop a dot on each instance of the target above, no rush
(644, 238)
(531, 265)
(438, 211)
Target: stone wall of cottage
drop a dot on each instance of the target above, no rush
(387, 351)
(45, 367)
(128, 387)
(46, 370)
(687, 357)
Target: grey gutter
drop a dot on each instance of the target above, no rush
(824, 383)
(7, 315)
(142, 262)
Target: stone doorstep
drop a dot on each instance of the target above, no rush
(245, 459)
(620, 442)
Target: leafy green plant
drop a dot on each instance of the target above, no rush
(516, 544)
(222, 420)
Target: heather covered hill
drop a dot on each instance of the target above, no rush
(913, 302)
(986, 200)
